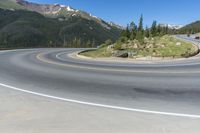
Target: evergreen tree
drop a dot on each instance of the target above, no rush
(154, 29)
(140, 37)
(140, 31)
(147, 32)
(108, 42)
(88, 44)
(166, 30)
(126, 32)
(159, 30)
(140, 26)
(123, 33)
(133, 27)
(94, 43)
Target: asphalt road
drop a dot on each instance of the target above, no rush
(45, 90)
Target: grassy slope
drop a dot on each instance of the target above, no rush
(10, 4)
(169, 49)
(100, 52)
(18, 28)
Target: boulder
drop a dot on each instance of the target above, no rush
(110, 48)
(178, 44)
(122, 54)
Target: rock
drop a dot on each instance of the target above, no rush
(154, 54)
(162, 46)
(150, 46)
(110, 48)
(178, 44)
(135, 46)
(122, 54)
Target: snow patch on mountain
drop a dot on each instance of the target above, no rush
(70, 9)
(62, 6)
(171, 26)
(55, 10)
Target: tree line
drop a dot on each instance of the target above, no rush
(138, 32)
(26, 29)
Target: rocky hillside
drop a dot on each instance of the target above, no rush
(62, 11)
(51, 25)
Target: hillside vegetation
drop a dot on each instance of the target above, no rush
(10, 4)
(22, 28)
(190, 28)
(26, 24)
(136, 42)
(165, 46)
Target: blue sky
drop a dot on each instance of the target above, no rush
(124, 11)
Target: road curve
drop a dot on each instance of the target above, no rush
(170, 89)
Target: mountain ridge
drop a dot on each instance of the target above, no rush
(191, 28)
(53, 24)
(58, 10)
(171, 26)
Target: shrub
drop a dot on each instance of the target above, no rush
(123, 39)
(118, 46)
(108, 42)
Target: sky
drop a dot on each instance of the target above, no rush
(179, 12)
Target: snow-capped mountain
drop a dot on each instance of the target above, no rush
(52, 24)
(45, 8)
(116, 25)
(62, 11)
(171, 26)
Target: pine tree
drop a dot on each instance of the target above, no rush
(154, 29)
(133, 28)
(94, 43)
(126, 32)
(140, 37)
(108, 42)
(79, 43)
(166, 30)
(159, 30)
(147, 32)
(140, 26)
(123, 33)
(88, 44)
(140, 31)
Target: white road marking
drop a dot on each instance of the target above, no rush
(102, 105)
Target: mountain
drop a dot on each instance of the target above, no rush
(190, 28)
(171, 26)
(62, 11)
(10, 4)
(27, 24)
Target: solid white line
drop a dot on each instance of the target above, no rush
(102, 105)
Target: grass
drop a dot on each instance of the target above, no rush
(100, 52)
(7, 4)
(165, 46)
